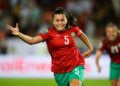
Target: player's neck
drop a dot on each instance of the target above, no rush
(59, 30)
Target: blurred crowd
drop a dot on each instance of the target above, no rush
(35, 15)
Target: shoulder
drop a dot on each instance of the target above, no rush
(104, 41)
(46, 30)
(102, 44)
(118, 37)
(74, 28)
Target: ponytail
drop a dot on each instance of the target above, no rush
(72, 20)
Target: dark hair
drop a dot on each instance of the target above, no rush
(71, 21)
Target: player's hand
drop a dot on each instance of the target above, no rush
(14, 30)
(99, 69)
(87, 54)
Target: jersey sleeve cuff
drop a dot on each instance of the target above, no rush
(42, 35)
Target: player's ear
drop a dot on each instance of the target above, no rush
(53, 21)
(16, 24)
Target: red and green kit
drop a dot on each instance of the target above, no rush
(62, 48)
(112, 48)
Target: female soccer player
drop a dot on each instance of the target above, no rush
(112, 45)
(67, 61)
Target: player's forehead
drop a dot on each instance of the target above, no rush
(59, 16)
(111, 29)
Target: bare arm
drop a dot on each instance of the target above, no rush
(86, 41)
(97, 57)
(28, 39)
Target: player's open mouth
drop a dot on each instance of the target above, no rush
(61, 26)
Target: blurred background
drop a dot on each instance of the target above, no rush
(30, 65)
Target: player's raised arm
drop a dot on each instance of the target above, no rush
(86, 41)
(28, 39)
(97, 57)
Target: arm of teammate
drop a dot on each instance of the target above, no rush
(28, 39)
(86, 41)
(97, 57)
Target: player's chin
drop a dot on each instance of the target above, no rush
(60, 29)
(112, 38)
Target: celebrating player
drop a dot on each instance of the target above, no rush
(112, 45)
(67, 61)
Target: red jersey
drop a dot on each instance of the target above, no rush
(63, 50)
(112, 48)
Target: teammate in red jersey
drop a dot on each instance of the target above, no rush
(67, 61)
(112, 45)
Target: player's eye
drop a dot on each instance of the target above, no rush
(57, 20)
(62, 19)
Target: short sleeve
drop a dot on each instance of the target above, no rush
(78, 31)
(44, 35)
(101, 46)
